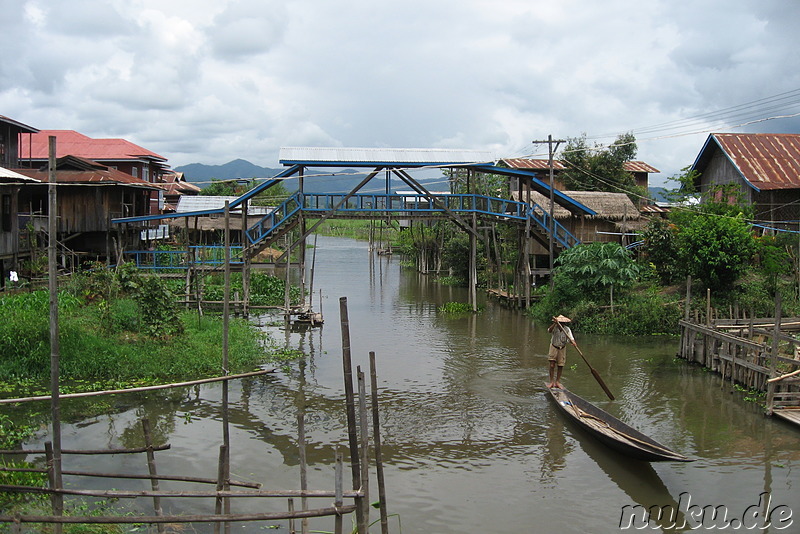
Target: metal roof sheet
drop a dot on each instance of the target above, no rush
(767, 161)
(192, 203)
(9, 175)
(70, 142)
(350, 156)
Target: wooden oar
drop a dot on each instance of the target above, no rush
(592, 369)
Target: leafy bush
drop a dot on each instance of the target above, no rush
(715, 249)
(157, 308)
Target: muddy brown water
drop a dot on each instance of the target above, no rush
(471, 441)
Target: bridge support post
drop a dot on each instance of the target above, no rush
(245, 265)
(473, 264)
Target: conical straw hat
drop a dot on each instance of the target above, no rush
(562, 319)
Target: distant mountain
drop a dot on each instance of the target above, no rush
(238, 168)
(658, 193)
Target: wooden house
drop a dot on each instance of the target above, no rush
(12, 248)
(175, 186)
(13, 134)
(765, 168)
(89, 195)
(116, 154)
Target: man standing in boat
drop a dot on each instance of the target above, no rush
(561, 335)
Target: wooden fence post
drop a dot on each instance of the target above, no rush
(151, 467)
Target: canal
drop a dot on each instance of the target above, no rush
(471, 441)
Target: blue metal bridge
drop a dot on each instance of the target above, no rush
(407, 206)
(422, 204)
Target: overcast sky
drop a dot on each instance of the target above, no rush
(210, 81)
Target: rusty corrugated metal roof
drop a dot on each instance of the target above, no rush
(533, 164)
(638, 166)
(76, 170)
(543, 165)
(767, 161)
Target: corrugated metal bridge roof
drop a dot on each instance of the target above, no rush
(377, 157)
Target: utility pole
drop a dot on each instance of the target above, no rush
(552, 223)
(56, 481)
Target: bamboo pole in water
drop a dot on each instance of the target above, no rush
(176, 478)
(352, 432)
(376, 432)
(151, 467)
(301, 447)
(364, 433)
(339, 490)
(139, 389)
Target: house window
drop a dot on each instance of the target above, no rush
(6, 213)
(135, 172)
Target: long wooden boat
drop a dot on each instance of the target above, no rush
(611, 431)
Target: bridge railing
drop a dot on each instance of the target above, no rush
(274, 219)
(408, 205)
(542, 218)
(414, 203)
(166, 260)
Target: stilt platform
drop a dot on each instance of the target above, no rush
(791, 415)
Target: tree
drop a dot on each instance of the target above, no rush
(598, 267)
(600, 169)
(716, 249)
(462, 183)
(686, 193)
(660, 249)
(220, 188)
(271, 196)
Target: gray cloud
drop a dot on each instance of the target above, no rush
(210, 81)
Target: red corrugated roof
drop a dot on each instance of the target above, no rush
(768, 161)
(543, 165)
(70, 142)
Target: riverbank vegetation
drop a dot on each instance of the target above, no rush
(122, 327)
(708, 241)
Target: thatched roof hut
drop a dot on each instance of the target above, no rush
(616, 215)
